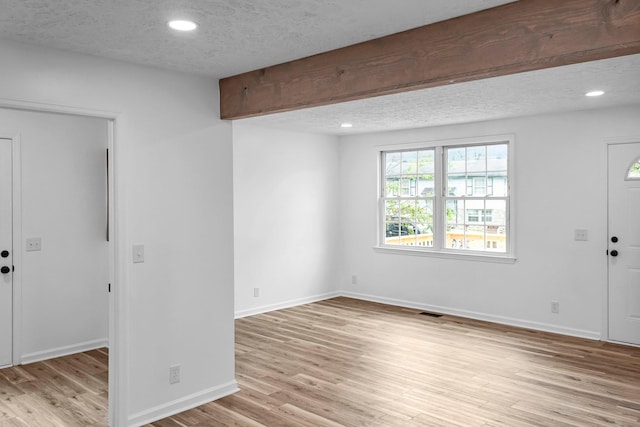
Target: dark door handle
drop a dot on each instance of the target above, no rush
(613, 253)
(4, 254)
(614, 239)
(5, 269)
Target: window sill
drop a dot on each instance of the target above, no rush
(502, 259)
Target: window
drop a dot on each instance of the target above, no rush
(449, 198)
(634, 171)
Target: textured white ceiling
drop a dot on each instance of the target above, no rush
(234, 36)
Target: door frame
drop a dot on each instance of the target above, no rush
(605, 310)
(16, 247)
(118, 351)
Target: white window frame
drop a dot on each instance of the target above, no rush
(438, 250)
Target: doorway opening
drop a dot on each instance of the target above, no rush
(62, 243)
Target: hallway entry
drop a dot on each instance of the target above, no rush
(56, 301)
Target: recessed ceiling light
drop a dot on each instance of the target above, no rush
(346, 125)
(594, 93)
(181, 25)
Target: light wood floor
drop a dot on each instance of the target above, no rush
(344, 362)
(68, 391)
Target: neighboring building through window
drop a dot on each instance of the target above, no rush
(447, 198)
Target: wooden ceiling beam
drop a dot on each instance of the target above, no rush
(517, 37)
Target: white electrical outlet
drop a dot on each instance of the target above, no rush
(256, 292)
(580, 235)
(174, 374)
(34, 244)
(354, 280)
(555, 307)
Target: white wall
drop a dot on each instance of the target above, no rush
(173, 164)
(560, 173)
(286, 217)
(63, 193)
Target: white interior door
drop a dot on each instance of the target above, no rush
(624, 242)
(6, 254)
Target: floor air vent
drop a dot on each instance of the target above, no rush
(426, 313)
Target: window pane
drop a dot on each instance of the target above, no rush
(456, 160)
(392, 166)
(407, 222)
(496, 239)
(456, 185)
(476, 159)
(426, 179)
(426, 188)
(454, 213)
(497, 157)
(474, 212)
(392, 187)
(498, 184)
(392, 236)
(424, 223)
(408, 211)
(408, 186)
(455, 236)
(474, 238)
(409, 163)
(426, 163)
(424, 215)
(498, 210)
(392, 221)
(476, 185)
(392, 210)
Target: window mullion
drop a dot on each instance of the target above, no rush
(438, 197)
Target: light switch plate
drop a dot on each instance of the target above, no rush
(138, 253)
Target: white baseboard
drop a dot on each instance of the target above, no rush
(63, 351)
(479, 316)
(539, 326)
(594, 335)
(286, 304)
(182, 404)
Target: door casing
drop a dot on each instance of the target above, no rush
(12, 260)
(16, 246)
